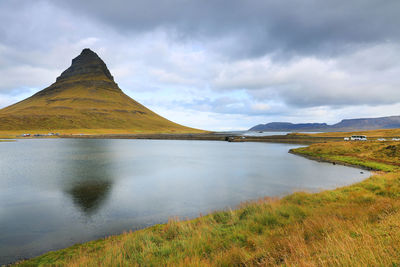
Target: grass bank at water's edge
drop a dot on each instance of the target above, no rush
(381, 156)
(353, 225)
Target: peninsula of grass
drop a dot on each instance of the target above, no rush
(381, 156)
(356, 225)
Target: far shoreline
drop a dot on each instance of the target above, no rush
(213, 136)
(290, 138)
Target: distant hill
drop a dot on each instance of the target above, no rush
(391, 122)
(84, 96)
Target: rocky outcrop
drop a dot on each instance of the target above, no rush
(87, 70)
(85, 66)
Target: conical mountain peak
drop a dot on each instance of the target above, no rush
(84, 96)
(88, 65)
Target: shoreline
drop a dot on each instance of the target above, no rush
(265, 199)
(334, 162)
(268, 202)
(287, 139)
(250, 202)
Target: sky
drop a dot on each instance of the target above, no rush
(215, 64)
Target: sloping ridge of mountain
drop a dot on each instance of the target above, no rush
(84, 96)
(391, 122)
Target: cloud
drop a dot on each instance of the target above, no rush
(256, 27)
(367, 76)
(227, 63)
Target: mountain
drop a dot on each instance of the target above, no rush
(391, 122)
(84, 96)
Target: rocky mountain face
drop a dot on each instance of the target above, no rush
(391, 122)
(88, 64)
(84, 96)
(87, 69)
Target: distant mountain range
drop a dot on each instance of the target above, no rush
(345, 125)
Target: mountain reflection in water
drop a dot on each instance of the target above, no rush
(89, 195)
(90, 178)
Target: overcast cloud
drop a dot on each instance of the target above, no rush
(216, 64)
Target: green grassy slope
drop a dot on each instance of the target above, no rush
(357, 225)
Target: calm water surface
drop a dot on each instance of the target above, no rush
(57, 192)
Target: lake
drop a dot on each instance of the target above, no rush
(58, 192)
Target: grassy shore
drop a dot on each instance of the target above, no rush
(387, 133)
(382, 156)
(357, 225)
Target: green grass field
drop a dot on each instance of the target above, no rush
(357, 225)
(91, 104)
